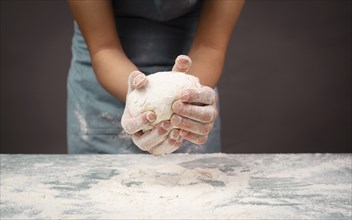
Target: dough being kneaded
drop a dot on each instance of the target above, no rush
(161, 91)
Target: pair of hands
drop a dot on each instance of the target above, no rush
(194, 116)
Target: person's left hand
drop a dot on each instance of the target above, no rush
(194, 118)
(195, 112)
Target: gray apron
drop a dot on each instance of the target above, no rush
(153, 33)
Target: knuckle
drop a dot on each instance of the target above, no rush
(179, 107)
(208, 128)
(187, 94)
(187, 123)
(184, 133)
(180, 138)
(192, 96)
(142, 147)
(178, 144)
(171, 141)
(208, 116)
(152, 150)
(211, 115)
(171, 134)
(210, 94)
(174, 119)
(216, 113)
(128, 128)
(187, 111)
(140, 144)
(178, 121)
(203, 130)
(161, 130)
(210, 97)
(202, 139)
(165, 125)
(143, 122)
(123, 124)
(174, 134)
(197, 94)
(155, 153)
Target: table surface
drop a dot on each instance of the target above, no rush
(181, 186)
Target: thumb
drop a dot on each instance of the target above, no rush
(182, 64)
(134, 124)
(136, 80)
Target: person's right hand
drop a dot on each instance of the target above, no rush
(159, 140)
(130, 124)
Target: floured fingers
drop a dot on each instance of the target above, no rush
(204, 114)
(182, 64)
(171, 144)
(134, 124)
(146, 140)
(204, 95)
(136, 80)
(194, 138)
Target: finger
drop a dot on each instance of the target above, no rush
(132, 125)
(203, 114)
(191, 125)
(171, 144)
(204, 95)
(194, 138)
(167, 147)
(145, 141)
(182, 64)
(175, 134)
(136, 80)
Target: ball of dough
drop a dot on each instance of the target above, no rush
(161, 91)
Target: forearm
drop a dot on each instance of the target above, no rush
(97, 24)
(112, 69)
(209, 46)
(207, 64)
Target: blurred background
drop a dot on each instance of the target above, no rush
(286, 85)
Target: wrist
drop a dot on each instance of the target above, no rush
(112, 69)
(207, 64)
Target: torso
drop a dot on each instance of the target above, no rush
(152, 34)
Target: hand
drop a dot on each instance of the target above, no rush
(195, 112)
(173, 140)
(159, 140)
(131, 125)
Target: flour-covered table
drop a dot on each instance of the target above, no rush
(177, 186)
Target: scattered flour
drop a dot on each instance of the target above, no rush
(82, 124)
(164, 189)
(177, 186)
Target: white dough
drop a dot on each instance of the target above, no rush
(162, 89)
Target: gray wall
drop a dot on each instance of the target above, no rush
(286, 85)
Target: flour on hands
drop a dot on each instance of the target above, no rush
(161, 91)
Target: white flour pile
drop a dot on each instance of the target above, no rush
(167, 191)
